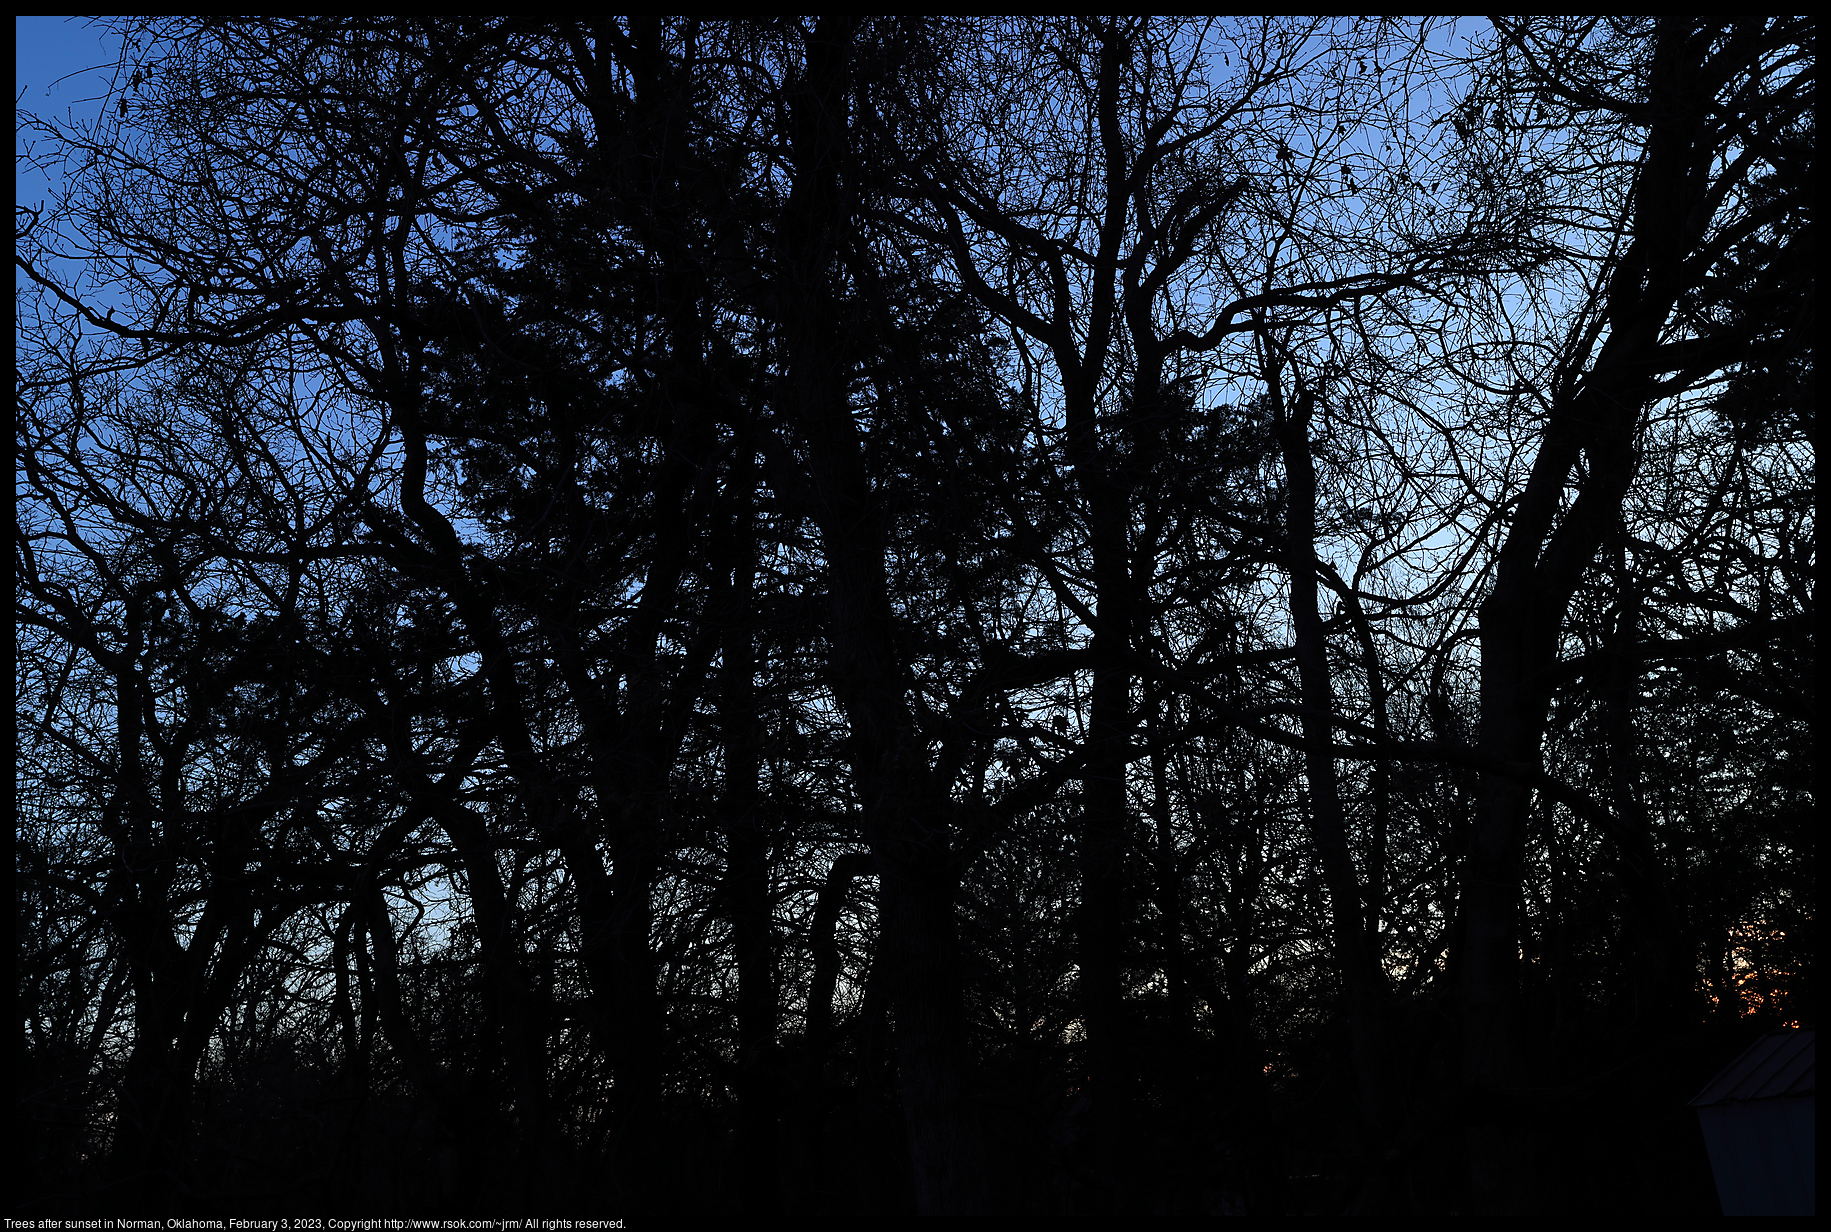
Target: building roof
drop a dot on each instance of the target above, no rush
(1777, 1064)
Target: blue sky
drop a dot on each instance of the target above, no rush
(47, 49)
(61, 69)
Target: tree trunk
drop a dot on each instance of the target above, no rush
(1538, 571)
(819, 1038)
(152, 1118)
(1363, 982)
(747, 872)
(906, 815)
(945, 1150)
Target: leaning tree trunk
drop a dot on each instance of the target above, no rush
(1540, 566)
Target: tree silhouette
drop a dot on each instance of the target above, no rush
(904, 614)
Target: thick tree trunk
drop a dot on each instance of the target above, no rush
(1363, 982)
(1103, 849)
(180, 991)
(152, 1117)
(619, 927)
(511, 1003)
(1537, 573)
(1105, 909)
(747, 872)
(819, 1038)
(906, 815)
(907, 822)
(428, 1076)
(1662, 972)
(945, 1151)
(1172, 909)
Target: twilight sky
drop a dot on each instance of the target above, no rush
(47, 49)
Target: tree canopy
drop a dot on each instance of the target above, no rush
(912, 614)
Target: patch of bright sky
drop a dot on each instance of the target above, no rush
(62, 67)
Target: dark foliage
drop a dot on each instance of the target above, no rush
(891, 615)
